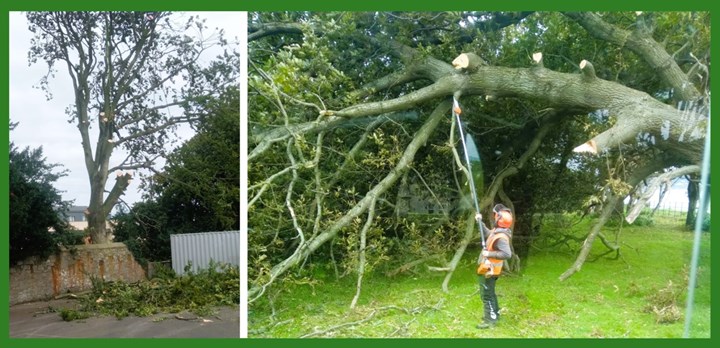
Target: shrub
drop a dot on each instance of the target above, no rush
(644, 219)
(706, 223)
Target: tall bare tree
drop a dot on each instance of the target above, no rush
(135, 76)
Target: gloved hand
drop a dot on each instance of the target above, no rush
(478, 218)
(485, 253)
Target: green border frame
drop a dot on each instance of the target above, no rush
(265, 5)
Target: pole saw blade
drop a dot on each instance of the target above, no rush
(476, 168)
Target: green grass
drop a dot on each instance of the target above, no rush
(607, 298)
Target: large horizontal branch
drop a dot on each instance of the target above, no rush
(443, 87)
(640, 42)
(637, 114)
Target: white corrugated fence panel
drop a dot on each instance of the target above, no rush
(200, 248)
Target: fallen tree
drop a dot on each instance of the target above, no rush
(658, 135)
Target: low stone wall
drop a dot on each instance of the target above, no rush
(72, 271)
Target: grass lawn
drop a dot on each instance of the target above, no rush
(608, 298)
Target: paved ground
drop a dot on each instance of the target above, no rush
(42, 319)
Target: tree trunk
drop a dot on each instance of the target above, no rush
(693, 193)
(523, 228)
(470, 228)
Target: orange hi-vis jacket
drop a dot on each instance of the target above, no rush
(490, 266)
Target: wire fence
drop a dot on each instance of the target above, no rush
(673, 211)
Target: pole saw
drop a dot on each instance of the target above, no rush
(456, 111)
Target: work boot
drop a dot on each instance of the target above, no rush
(486, 325)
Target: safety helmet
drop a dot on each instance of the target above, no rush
(503, 216)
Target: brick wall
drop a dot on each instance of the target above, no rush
(72, 271)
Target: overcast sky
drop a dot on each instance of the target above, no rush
(44, 123)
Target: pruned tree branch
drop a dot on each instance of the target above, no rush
(372, 315)
(361, 251)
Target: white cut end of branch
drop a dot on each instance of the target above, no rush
(102, 114)
(118, 173)
(587, 69)
(469, 61)
(637, 13)
(461, 61)
(588, 147)
(537, 57)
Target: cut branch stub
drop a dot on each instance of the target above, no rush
(588, 147)
(468, 62)
(537, 58)
(587, 69)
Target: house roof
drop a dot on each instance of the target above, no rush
(77, 209)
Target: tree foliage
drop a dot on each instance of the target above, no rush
(349, 120)
(197, 191)
(36, 206)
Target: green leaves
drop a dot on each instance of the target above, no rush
(196, 292)
(349, 63)
(198, 190)
(36, 206)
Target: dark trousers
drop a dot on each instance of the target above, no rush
(489, 298)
